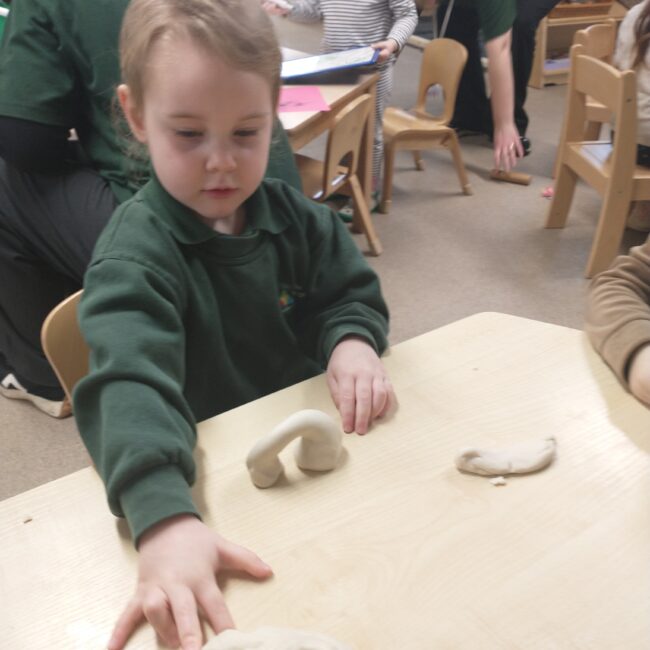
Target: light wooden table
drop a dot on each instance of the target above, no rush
(304, 127)
(395, 548)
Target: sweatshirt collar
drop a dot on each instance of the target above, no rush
(187, 228)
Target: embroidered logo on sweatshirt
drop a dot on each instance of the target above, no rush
(286, 300)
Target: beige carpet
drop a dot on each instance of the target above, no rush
(446, 256)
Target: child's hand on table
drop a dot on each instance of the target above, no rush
(386, 48)
(639, 375)
(358, 384)
(179, 561)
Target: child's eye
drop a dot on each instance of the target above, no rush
(187, 133)
(246, 133)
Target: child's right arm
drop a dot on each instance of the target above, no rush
(304, 11)
(179, 560)
(618, 319)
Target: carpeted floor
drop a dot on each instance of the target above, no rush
(446, 255)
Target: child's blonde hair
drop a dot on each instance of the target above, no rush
(238, 31)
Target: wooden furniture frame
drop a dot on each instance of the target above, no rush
(63, 344)
(304, 127)
(556, 559)
(609, 168)
(443, 61)
(338, 172)
(599, 42)
(550, 29)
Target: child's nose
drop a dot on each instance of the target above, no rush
(220, 159)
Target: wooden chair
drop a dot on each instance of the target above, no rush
(64, 346)
(609, 168)
(443, 61)
(338, 172)
(599, 42)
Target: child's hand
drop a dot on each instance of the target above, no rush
(276, 9)
(179, 560)
(386, 48)
(639, 375)
(358, 383)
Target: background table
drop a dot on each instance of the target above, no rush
(395, 548)
(304, 127)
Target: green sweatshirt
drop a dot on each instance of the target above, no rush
(59, 66)
(185, 323)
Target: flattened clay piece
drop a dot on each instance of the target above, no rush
(273, 638)
(319, 448)
(519, 458)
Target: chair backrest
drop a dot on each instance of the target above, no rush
(443, 61)
(344, 142)
(613, 88)
(64, 346)
(598, 40)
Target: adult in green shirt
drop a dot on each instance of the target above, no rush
(58, 71)
(494, 19)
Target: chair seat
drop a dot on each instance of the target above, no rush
(598, 155)
(311, 173)
(399, 122)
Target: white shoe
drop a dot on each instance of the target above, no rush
(10, 387)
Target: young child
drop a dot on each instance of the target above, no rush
(618, 319)
(207, 289)
(383, 24)
(632, 53)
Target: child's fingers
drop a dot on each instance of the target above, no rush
(130, 618)
(333, 385)
(237, 558)
(347, 403)
(214, 608)
(379, 396)
(363, 407)
(156, 608)
(186, 617)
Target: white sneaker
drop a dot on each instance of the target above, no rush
(10, 387)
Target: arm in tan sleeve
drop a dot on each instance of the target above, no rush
(618, 310)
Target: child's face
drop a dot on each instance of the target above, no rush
(208, 130)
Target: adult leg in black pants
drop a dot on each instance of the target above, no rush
(529, 15)
(49, 223)
(472, 110)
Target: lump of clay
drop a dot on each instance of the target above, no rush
(273, 638)
(319, 448)
(519, 458)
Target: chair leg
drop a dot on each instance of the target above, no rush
(561, 202)
(609, 232)
(361, 209)
(389, 166)
(417, 160)
(454, 146)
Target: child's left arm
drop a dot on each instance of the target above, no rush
(405, 19)
(342, 320)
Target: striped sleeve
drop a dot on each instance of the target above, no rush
(405, 19)
(306, 11)
(358, 23)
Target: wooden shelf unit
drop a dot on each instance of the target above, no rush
(555, 35)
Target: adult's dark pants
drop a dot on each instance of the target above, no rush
(473, 111)
(49, 223)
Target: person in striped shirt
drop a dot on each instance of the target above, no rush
(383, 24)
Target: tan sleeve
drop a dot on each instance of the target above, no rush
(618, 310)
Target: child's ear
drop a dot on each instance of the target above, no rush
(132, 113)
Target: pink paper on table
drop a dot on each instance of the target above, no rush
(301, 99)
